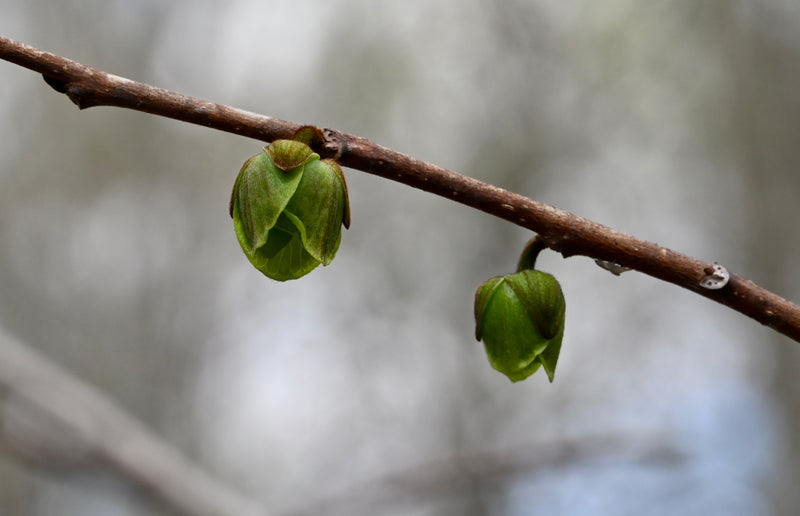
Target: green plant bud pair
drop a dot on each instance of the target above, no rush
(288, 209)
(520, 318)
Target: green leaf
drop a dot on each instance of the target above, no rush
(482, 297)
(261, 193)
(511, 339)
(340, 174)
(290, 154)
(520, 318)
(525, 372)
(235, 190)
(319, 203)
(284, 257)
(278, 239)
(549, 357)
(288, 208)
(543, 299)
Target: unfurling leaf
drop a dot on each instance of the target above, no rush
(288, 208)
(520, 318)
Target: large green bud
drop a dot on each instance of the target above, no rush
(520, 318)
(288, 208)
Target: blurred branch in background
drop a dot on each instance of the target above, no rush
(561, 231)
(54, 421)
(484, 472)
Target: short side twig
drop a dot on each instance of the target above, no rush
(561, 231)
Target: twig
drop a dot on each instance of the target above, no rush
(561, 231)
(53, 420)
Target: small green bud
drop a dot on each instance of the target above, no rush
(520, 318)
(288, 208)
(289, 154)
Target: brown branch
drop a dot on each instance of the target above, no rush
(561, 231)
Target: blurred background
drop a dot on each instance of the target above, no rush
(360, 389)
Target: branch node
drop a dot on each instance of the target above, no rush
(82, 97)
(333, 144)
(716, 277)
(79, 95)
(612, 267)
(57, 84)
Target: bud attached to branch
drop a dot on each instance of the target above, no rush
(288, 208)
(520, 318)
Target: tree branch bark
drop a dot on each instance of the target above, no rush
(561, 231)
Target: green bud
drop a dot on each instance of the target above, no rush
(520, 318)
(288, 208)
(289, 154)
